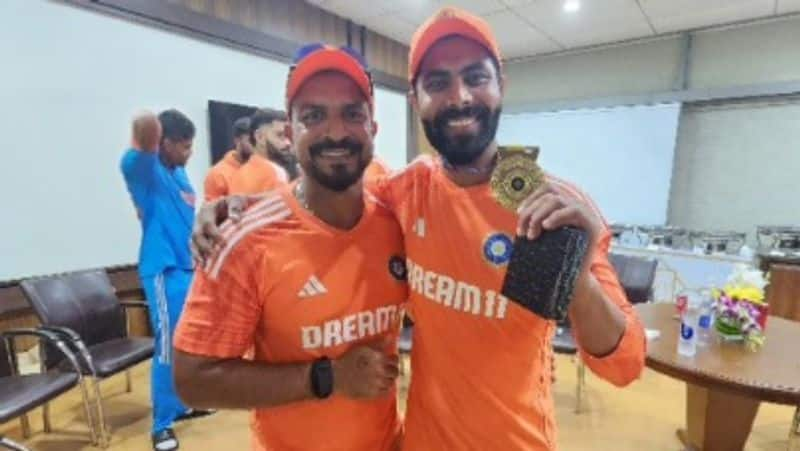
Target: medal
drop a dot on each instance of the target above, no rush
(516, 175)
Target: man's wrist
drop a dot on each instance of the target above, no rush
(586, 287)
(321, 376)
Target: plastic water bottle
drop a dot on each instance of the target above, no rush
(706, 318)
(687, 339)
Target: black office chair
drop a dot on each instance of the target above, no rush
(636, 275)
(83, 309)
(21, 393)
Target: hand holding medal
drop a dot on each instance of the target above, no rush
(550, 246)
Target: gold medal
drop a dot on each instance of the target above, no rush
(516, 175)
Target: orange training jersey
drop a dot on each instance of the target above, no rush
(219, 176)
(376, 170)
(480, 362)
(257, 175)
(295, 289)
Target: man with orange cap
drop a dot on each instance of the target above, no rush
(480, 361)
(313, 280)
(481, 377)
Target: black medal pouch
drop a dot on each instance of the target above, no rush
(542, 272)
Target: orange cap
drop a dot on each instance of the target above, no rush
(315, 58)
(449, 21)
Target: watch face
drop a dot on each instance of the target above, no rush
(322, 378)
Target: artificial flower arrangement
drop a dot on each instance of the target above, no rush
(740, 308)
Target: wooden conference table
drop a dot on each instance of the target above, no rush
(725, 382)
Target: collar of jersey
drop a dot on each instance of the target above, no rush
(311, 220)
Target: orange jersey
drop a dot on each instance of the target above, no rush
(219, 176)
(480, 362)
(258, 175)
(295, 289)
(376, 170)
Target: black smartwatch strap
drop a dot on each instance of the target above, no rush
(322, 378)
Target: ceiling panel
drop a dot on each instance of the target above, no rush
(481, 7)
(595, 23)
(675, 15)
(788, 6)
(516, 37)
(393, 26)
(416, 11)
(358, 10)
(529, 27)
(514, 3)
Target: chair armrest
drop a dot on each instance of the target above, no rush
(75, 343)
(57, 341)
(134, 304)
(65, 332)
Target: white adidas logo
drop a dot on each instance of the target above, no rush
(312, 288)
(419, 227)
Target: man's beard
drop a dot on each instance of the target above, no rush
(342, 178)
(245, 151)
(278, 155)
(286, 159)
(462, 150)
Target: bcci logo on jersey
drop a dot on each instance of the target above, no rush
(397, 268)
(497, 249)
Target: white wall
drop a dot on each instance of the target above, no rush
(760, 53)
(622, 157)
(627, 70)
(71, 81)
(392, 116)
(738, 166)
(746, 55)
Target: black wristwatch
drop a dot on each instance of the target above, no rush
(322, 378)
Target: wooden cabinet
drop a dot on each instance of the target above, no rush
(783, 292)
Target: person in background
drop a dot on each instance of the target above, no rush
(153, 169)
(217, 183)
(273, 162)
(268, 136)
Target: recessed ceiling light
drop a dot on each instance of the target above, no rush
(571, 6)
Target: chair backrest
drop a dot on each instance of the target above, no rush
(5, 366)
(84, 301)
(636, 274)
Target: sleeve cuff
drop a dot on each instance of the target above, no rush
(211, 342)
(625, 363)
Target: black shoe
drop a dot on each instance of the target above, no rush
(165, 440)
(194, 413)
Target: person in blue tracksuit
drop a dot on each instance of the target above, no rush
(164, 199)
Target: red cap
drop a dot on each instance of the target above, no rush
(315, 58)
(449, 21)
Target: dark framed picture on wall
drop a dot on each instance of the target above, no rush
(221, 116)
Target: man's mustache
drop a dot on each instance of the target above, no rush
(347, 143)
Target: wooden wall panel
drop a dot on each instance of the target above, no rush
(303, 22)
(21, 321)
(783, 292)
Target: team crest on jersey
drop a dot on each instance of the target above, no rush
(497, 249)
(397, 267)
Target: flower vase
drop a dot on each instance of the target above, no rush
(728, 330)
